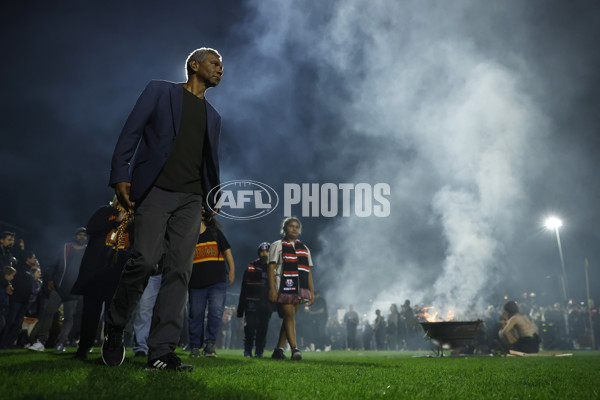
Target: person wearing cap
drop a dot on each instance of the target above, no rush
(59, 280)
(254, 303)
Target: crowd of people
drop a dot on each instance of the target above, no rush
(557, 327)
(67, 301)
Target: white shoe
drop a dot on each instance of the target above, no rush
(37, 346)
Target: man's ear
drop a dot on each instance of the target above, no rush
(194, 65)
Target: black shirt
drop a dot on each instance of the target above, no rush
(183, 169)
(209, 263)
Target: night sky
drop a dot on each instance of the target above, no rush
(481, 116)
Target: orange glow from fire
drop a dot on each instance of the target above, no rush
(431, 315)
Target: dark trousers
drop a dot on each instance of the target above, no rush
(255, 331)
(14, 322)
(351, 336)
(162, 215)
(3, 315)
(93, 300)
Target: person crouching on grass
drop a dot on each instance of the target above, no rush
(290, 282)
(518, 330)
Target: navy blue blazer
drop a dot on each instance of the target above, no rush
(149, 134)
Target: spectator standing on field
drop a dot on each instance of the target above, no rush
(7, 241)
(213, 271)
(60, 278)
(290, 282)
(23, 285)
(108, 249)
(165, 164)
(393, 327)
(379, 330)
(351, 321)
(254, 303)
(6, 290)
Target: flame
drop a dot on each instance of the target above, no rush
(430, 314)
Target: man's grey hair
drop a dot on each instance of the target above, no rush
(285, 223)
(199, 55)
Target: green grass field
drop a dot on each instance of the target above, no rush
(333, 375)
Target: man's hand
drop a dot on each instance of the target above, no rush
(231, 279)
(51, 285)
(9, 289)
(122, 192)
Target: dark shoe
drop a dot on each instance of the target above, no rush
(278, 354)
(247, 353)
(113, 349)
(195, 352)
(139, 354)
(296, 355)
(209, 350)
(169, 362)
(81, 354)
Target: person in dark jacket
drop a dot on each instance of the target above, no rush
(60, 278)
(110, 230)
(254, 303)
(6, 290)
(19, 301)
(165, 166)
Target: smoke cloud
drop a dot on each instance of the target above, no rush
(414, 101)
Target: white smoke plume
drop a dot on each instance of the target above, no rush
(421, 106)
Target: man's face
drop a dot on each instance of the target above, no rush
(210, 70)
(81, 238)
(32, 261)
(8, 241)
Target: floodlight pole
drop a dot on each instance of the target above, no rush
(587, 287)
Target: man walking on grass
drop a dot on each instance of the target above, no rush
(174, 133)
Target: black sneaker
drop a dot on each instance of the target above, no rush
(278, 354)
(169, 362)
(113, 349)
(195, 352)
(296, 354)
(209, 350)
(140, 354)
